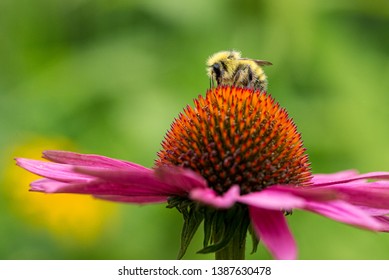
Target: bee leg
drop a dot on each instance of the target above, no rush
(219, 78)
(238, 78)
(250, 78)
(288, 212)
(261, 85)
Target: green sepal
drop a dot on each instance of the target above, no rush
(223, 226)
(193, 216)
(225, 231)
(254, 239)
(209, 216)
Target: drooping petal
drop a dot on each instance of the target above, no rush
(139, 197)
(185, 179)
(273, 200)
(133, 199)
(368, 194)
(344, 212)
(55, 171)
(177, 182)
(89, 160)
(325, 178)
(47, 185)
(346, 179)
(273, 231)
(307, 193)
(374, 211)
(104, 176)
(146, 185)
(210, 197)
(384, 220)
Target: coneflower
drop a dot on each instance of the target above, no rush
(234, 162)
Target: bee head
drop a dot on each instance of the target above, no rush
(220, 65)
(216, 68)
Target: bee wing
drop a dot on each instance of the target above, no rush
(259, 62)
(262, 62)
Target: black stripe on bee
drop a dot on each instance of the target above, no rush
(223, 65)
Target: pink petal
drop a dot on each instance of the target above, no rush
(384, 220)
(324, 178)
(185, 179)
(109, 180)
(146, 179)
(308, 192)
(273, 231)
(101, 187)
(369, 194)
(89, 160)
(133, 199)
(210, 197)
(340, 180)
(51, 186)
(374, 211)
(47, 185)
(344, 212)
(55, 171)
(273, 200)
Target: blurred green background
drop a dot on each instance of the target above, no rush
(108, 77)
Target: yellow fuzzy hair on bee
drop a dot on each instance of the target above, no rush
(229, 68)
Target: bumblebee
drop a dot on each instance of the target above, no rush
(229, 68)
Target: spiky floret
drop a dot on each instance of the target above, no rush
(237, 136)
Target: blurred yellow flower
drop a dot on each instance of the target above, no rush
(79, 218)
